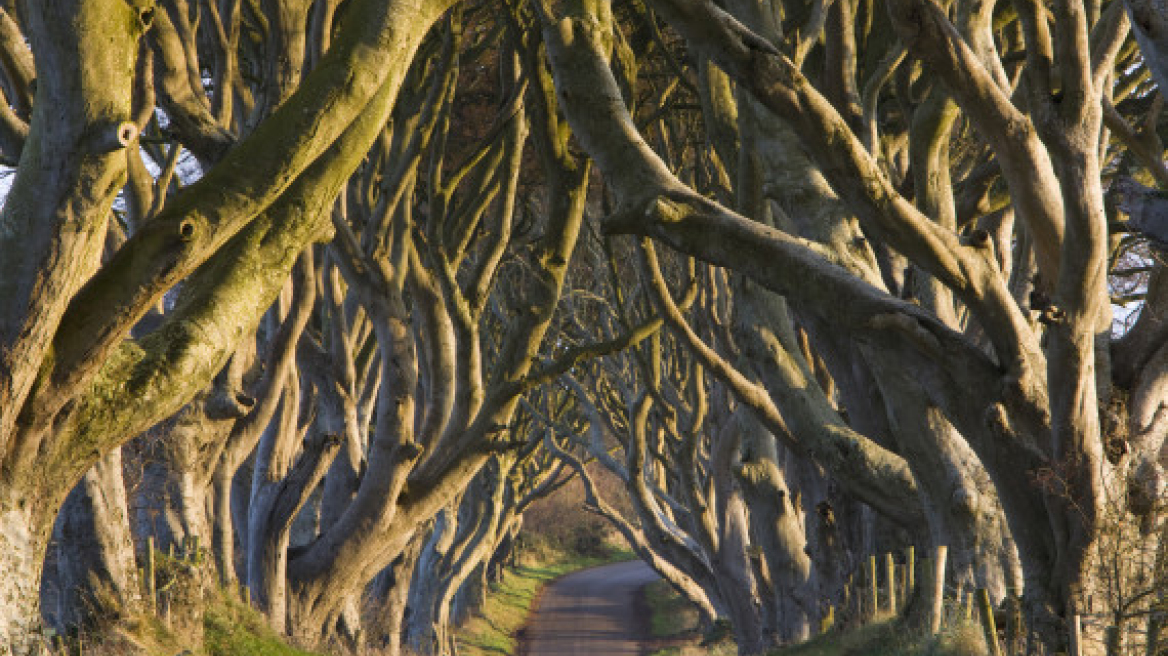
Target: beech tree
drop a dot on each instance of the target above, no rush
(713, 512)
(399, 313)
(333, 271)
(74, 382)
(1025, 396)
(451, 573)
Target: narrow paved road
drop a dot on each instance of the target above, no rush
(591, 613)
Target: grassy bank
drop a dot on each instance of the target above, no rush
(229, 629)
(674, 627)
(232, 629)
(891, 639)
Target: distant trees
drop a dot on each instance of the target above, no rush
(343, 279)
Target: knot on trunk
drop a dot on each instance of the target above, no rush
(1052, 316)
(111, 138)
(977, 239)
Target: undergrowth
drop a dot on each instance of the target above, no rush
(229, 629)
(232, 629)
(674, 622)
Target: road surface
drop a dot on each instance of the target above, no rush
(590, 613)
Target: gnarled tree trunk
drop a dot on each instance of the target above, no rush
(96, 577)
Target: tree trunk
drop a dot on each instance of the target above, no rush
(95, 574)
(472, 596)
(338, 415)
(241, 482)
(22, 548)
(392, 588)
(426, 585)
(731, 563)
(957, 496)
(57, 214)
(222, 528)
(736, 581)
(279, 492)
(479, 526)
(685, 585)
(171, 498)
(777, 529)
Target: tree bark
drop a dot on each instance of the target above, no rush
(392, 589)
(96, 577)
(22, 548)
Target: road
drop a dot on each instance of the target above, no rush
(590, 613)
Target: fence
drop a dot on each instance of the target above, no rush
(899, 586)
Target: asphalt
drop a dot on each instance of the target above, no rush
(593, 612)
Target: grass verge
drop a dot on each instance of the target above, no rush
(232, 629)
(229, 629)
(670, 616)
(890, 638)
(674, 622)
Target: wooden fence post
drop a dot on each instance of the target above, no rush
(910, 568)
(855, 600)
(152, 598)
(1155, 620)
(875, 591)
(890, 574)
(1076, 632)
(937, 589)
(142, 590)
(987, 622)
(1112, 639)
(902, 585)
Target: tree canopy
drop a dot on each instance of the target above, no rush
(350, 283)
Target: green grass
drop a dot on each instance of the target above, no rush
(231, 629)
(889, 638)
(670, 614)
(234, 630)
(492, 631)
(673, 620)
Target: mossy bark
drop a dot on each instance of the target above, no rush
(52, 229)
(99, 389)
